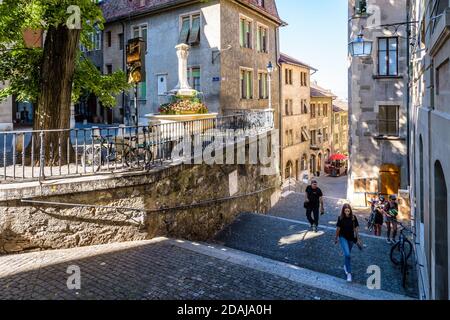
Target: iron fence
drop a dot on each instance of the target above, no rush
(51, 154)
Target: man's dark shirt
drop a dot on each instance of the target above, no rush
(314, 196)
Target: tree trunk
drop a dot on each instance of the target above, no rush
(53, 107)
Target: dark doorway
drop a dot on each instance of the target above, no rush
(440, 234)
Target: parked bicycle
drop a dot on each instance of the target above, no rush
(128, 150)
(371, 221)
(401, 252)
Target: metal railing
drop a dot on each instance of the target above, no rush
(51, 154)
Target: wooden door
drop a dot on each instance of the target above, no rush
(389, 179)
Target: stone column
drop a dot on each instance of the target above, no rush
(183, 87)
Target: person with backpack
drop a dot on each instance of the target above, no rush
(377, 209)
(390, 213)
(313, 202)
(347, 234)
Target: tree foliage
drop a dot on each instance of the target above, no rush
(20, 65)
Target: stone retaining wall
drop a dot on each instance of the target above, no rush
(25, 226)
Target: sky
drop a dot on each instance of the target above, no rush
(317, 35)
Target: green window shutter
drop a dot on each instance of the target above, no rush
(248, 37)
(249, 85)
(242, 32)
(184, 33)
(258, 40)
(266, 83)
(194, 36)
(143, 91)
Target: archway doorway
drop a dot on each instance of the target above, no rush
(312, 164)
(440, 234)
(389, 179)
(319, 163)
(304, 163)
(288, 170)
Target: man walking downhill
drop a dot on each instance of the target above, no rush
(313, 202)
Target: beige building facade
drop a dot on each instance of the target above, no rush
(320, 128)
(340, 128)
(295, 117)
(430, 143)
(378, 99)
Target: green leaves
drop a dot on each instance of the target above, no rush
(20, 66)
(89, 80)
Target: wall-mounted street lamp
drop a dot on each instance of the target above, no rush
(360, 47)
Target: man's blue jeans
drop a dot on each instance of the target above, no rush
(347, 248)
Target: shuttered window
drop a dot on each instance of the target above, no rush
(190, 29)
(388, 121)
(194, 36)
(184, 32)
(246, 84)
(194, 78)
(245, 31)
(261, 41)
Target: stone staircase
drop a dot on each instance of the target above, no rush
(313, 258)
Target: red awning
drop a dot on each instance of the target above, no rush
(338, 157)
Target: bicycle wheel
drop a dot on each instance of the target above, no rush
(407, 248)
(396, 254)
(138, 157)
(92, 158)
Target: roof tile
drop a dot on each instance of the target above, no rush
(117, 9)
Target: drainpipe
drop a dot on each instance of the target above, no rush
(408, 98)
(280, 97)
(123, 67)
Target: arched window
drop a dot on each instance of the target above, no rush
(440, 233)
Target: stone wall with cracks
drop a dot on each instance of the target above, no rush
(27, 227)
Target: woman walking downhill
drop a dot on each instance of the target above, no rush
(347, 235)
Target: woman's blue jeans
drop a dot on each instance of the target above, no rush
(347, 248)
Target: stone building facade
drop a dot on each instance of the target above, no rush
(232, 42)
(295, 117)
(320, 127)
(378, 99)
(340, 127)
(430, 142)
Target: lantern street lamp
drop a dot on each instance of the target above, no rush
(269, 73)
(360, 47)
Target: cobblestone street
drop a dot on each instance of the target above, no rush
(157, 269)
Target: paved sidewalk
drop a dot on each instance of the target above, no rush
(291, 242)
(156, 269)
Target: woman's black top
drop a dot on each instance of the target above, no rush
(347, 227)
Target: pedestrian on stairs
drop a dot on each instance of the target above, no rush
(347, 235)
(313, 203)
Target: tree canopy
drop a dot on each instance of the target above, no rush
(20, 64)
